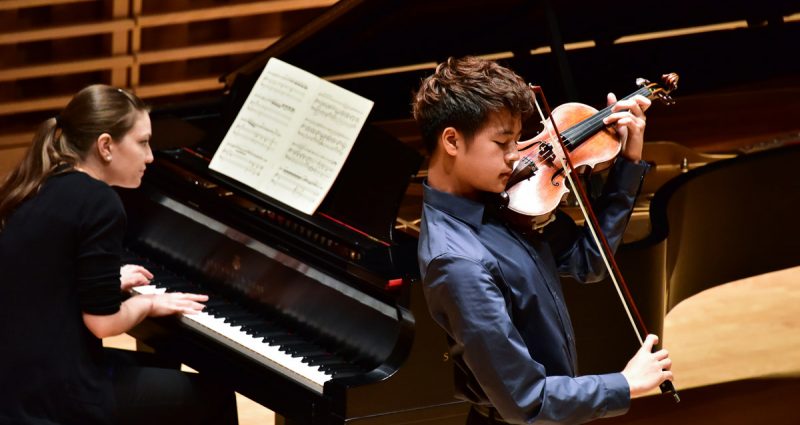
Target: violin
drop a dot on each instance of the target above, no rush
(536, 185)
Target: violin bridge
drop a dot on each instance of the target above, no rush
(546, 152)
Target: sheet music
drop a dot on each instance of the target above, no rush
(292, 136)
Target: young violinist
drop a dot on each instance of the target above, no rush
(495, 290)
(63, 287)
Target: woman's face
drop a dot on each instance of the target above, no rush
(131, 154)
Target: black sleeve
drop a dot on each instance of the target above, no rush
(583, 260)
(561, 234)
(98, 261)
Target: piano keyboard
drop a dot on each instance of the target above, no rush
(257, 337)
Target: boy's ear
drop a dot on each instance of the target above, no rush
(450, 139)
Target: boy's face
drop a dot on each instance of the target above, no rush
(484, 164)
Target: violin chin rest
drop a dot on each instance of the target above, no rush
(504, 199)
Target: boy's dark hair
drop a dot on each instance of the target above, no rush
(462, 93)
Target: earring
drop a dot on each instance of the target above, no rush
(108, 158)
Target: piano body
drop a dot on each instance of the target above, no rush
(320, 321)
(335, 293)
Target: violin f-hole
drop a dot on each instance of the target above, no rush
(555, 175)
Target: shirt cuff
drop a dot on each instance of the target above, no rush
(619, 394)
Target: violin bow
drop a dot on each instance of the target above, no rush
(600, 240)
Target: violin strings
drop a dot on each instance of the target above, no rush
(595, 120)
(580, 132)
(541, 117)
(576, 135)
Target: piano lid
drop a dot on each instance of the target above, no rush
(399, 41)
(359, 35)
(739, 45)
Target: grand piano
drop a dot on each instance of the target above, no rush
(320, 317)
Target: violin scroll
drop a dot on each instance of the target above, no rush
(670, 82)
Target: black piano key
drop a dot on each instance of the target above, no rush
(301, 350)
(347, 371)
(326, 362)
(311, 359)
(268, 336)
(172, 282)
(264, 331)
(235, 316)
(281, 340)
(223, 309)
(331, 367)
(261, 326)
(176, 282)
(246, 323)
(185, 289)
(215, 301)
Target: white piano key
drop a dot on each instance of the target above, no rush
(233, 336)
(148, 290)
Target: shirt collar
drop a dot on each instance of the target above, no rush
(462, 208)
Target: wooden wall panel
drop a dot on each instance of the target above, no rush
(50, 49)
(9, 158)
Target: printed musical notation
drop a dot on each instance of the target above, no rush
(271, 110)
(302, 156)
(329, 108)
(297, 184)
(251, 165)
(292, 136)
(326, 138)
(264, 138)
(285, 86)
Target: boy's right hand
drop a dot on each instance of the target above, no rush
(647, 370)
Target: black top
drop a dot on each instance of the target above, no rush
(59, 256)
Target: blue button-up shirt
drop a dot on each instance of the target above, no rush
(498, 296)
